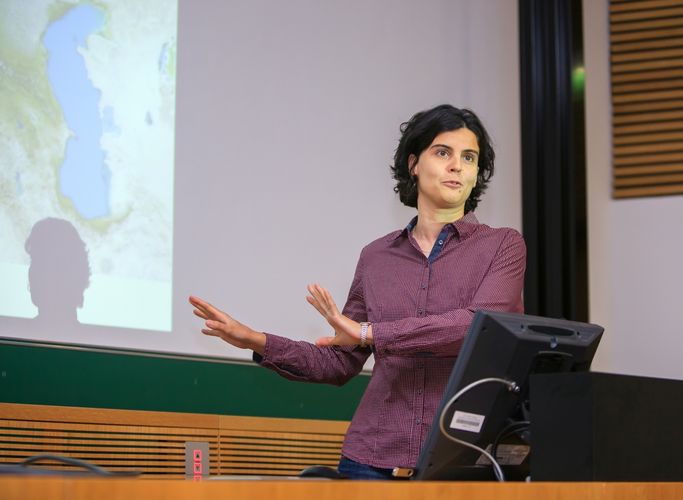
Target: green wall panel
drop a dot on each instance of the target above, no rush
(91, 378)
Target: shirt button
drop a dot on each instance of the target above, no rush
(423, 286)
(418, 421)
(419, 311)
(440, 242)
(419, 391)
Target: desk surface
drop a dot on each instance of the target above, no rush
(51, 488)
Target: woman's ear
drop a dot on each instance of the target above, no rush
(412, 165)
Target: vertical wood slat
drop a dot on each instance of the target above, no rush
(154, 442)
(646, 42)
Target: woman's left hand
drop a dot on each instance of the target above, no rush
(347, 331)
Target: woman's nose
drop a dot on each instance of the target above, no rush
(454, 166)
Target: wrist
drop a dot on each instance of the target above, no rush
(258, 342)
(254, 340)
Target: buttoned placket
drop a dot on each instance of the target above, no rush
(420, 369)
(418, 415)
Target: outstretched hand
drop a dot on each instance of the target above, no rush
(347, 331)
(221, 324)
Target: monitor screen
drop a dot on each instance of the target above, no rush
(486, 402)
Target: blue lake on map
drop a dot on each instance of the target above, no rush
(84, 176)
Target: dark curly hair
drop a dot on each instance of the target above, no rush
(419, 132)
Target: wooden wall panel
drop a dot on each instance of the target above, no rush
(154, 442)
(646, 40)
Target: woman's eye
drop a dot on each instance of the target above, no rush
(442, 153)
(470, 158)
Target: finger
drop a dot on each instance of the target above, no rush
(200, 313)
(327, 300)
(324, 299)
(315, 289)
(315, 293)
(214, 325)
(316, 304)
(323, 293)
(212, 333)
(316, 299)
(201, 309)
(202, 305)
(196, 301)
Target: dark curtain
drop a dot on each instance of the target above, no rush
(553, 158)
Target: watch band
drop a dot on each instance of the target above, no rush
(364, 325)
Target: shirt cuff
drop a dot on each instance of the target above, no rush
(381, 332)
(260, 358)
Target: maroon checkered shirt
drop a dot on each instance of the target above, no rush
(420, 310)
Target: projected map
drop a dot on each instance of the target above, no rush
(86, 146)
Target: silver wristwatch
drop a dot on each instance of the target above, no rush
(364, 325)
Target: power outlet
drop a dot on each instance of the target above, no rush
(196, 459)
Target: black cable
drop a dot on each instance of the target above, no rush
(86, 466)
(96, 469)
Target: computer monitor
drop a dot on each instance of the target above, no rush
(499, 354)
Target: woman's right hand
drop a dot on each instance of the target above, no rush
(221, 324)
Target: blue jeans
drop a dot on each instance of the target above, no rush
(356, 470)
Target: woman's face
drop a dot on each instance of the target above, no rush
(447, 170)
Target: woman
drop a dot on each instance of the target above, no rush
(412, 298)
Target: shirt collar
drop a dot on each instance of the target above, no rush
(463, 227)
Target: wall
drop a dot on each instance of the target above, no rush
(635, 246)
(287, 118)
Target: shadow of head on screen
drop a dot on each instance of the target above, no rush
(59, 272)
